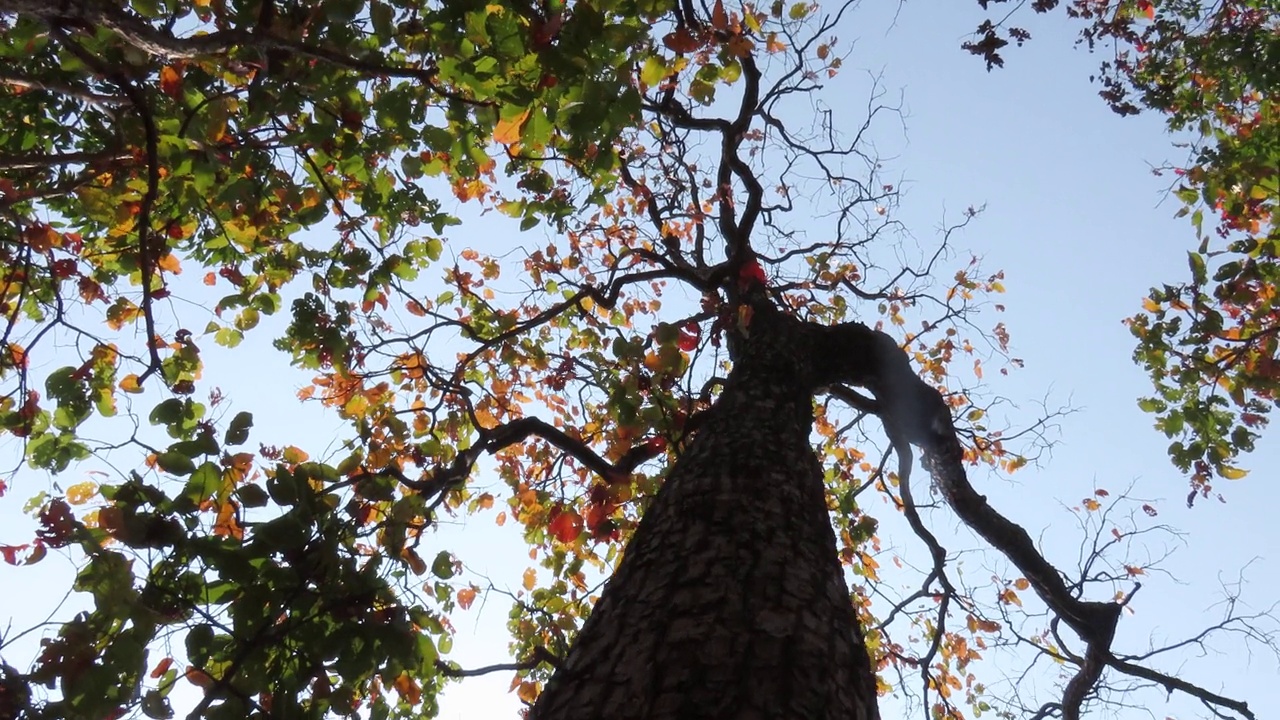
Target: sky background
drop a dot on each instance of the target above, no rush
(1081, 229)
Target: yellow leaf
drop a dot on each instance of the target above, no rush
(530, 577)
(528, 691)
(1150, 305)
(486, 419)
(1009, 597)
(80, 493)
(1232, 473)
(169, 263)
(507, 131)
(130, 384)
(294, 455)
(356, 407)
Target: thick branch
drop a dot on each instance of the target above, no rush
(140, 34)
(34, 161)
(917, 414)
(540, 655)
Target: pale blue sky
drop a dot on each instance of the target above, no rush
(1081, 229)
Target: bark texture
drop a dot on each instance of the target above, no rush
(730, 601)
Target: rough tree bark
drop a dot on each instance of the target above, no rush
(730, 601)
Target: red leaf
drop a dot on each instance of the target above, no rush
(161, 668)
(681, 41)
(596, 514)
(171, 81)
(656, 444)
(750, 273)
(688, 337)
(566, 526)
(10, 553)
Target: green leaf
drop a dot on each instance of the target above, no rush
(252, 496)
(203, 483)
(238, 430)
(1152, 405)
(653, 71)
(442, 567)
(175, 463)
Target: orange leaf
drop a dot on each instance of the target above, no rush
(416, 564)
(466, 596)
(566, 526)
(169, 263)
(719, 18)
(681, 41)
(408, 689)
(199, 678)
(17, 355)
(161, 668)
(507, 131)
(41, 237)
(171, 81)
(1021, 583)
(226, 525)
(238, 466)
(530, 577)
(130, 384)
(528, 691)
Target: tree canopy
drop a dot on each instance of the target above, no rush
(180, 175)
(1209, 341)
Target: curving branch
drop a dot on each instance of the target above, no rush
(492, 440)
(147, 255)
(540, 655)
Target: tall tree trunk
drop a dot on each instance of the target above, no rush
(730, 601)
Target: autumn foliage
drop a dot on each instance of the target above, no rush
(189, 179)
